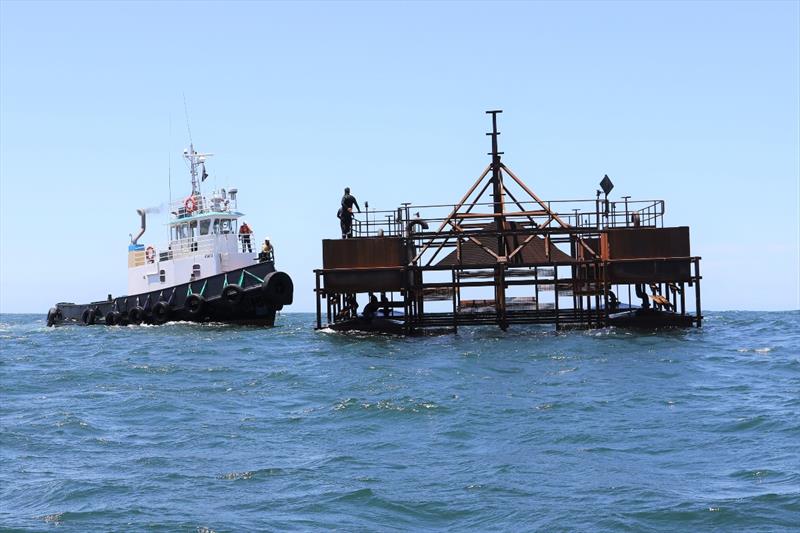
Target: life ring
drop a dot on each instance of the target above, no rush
(190, 204)
(194, 305)
(150, 254)
(233, 294)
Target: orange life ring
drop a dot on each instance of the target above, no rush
(190, 204)
(150, 254)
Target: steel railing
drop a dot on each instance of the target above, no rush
(588, 214)
(204, 244)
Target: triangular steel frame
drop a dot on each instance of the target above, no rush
(541, 218)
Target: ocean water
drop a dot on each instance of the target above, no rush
(205, 428)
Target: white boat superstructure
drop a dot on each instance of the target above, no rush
(207, 236)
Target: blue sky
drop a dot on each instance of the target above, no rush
(695, 103)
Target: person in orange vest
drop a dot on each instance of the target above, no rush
(244, 235)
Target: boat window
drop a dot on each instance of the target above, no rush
(204, 225)
(193, 227)
(162, 276)
(184, 231)
(226, 226)
(216, 226)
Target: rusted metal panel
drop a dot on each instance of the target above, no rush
(364, 281)
(645, 243)
(363, 253)
(583, 253)
(649, 271)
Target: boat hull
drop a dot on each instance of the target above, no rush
(250, 295)
(650, 319)
(367, 325)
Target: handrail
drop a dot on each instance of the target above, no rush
(202, 205)
(587, 214)
(201, 245)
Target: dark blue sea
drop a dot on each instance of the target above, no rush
(207, 428)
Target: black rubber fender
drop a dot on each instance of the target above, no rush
(89, 316)
(195, 305)
(161, 312)
(136, 315)
(52, 316)
(278, 288)
(233, 294)
(113, 318)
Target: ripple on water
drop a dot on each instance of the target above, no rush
(212, 427)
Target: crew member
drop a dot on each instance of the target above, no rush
(352, 303)
(613, 301)
(244, 235)
(385, 303)
(346, 213)
(372, 307)
(267, 252)
(350, 308)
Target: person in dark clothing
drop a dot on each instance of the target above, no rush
(372, 307)
(352, 303)
(346, 213)
(385, 303)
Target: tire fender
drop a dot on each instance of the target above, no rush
(136, 315)
(195, 305)
(233, 294)
(161, 312)
(89, 316)
(52, 316)
(278, 288)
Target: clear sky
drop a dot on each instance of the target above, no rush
(696, 103)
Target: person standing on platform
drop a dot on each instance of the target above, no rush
(244, 235)
(346, 213)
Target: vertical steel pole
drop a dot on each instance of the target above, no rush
(697, 291)
(455, 305)
(319, 303)
(683, 299)
(555, 291)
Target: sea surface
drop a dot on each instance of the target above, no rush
(204, 428)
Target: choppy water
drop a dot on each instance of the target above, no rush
(209, 427)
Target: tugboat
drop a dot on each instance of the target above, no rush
(213, 268)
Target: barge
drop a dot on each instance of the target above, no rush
(503, 256)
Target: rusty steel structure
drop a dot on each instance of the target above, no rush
(509, 257)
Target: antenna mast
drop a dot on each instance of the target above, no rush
(191, 154)
(497, 184)
(169, 163)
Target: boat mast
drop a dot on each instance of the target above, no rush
(196, 159)
(193, 169)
